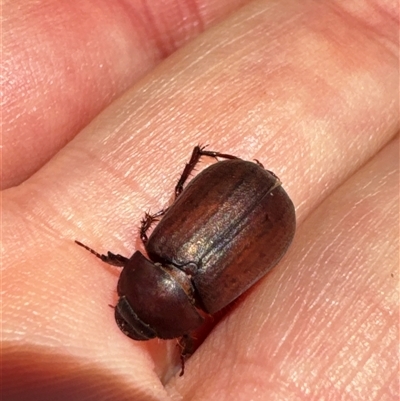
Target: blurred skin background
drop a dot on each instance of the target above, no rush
(102, 105)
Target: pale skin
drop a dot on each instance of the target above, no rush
(309, 88)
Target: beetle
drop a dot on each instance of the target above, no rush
(226, 229)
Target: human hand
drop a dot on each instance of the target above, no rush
(308, 88)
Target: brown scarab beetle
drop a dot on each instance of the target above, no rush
(226, 229)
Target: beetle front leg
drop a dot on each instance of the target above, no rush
(187, 347)
(110, 258)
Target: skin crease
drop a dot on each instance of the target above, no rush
(310, 89)
(75, 59)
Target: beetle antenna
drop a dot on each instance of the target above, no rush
(89, 249)
(110, 258)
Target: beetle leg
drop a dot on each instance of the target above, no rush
(217, 154)
(198, 151)
(194, 159)
(110, 258)
(147, 221)
(186, 345)
(259, 163)
(273, 175)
